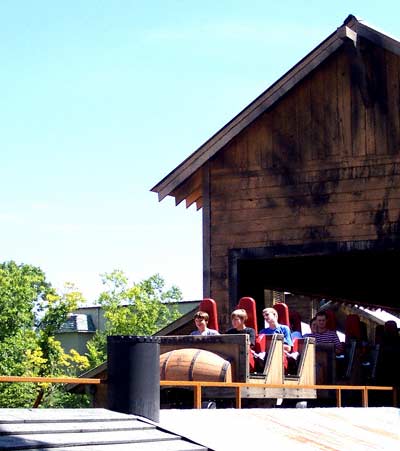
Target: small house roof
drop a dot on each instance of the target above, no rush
(185, 181)
(78, 323)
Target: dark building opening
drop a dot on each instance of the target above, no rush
(356, 272)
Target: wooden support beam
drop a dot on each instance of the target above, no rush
(197, 396)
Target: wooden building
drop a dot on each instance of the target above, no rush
(300, 191)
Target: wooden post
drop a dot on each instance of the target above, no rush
(338, 397)
(197, 396)
(238, 398)
(365, 397)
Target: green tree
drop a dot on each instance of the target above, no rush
(22, 288)
(54, 310)
(30, 313)
(132, 309)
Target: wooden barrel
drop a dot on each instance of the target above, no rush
(194, 365)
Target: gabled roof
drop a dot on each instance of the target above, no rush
(185, 181)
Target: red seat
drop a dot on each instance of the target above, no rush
(209, 306)
(249, 304)
(283, 313)
(264, 341)
(283, 318)
(390, 333)
(260, 345)
(330, 319)
(352, 327)
(252, 363)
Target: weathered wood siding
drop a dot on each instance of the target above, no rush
(322, 164)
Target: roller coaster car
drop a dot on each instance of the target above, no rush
(225, 358)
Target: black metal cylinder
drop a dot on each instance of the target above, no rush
(134, 375)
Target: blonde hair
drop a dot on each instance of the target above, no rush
(241, 313)
(270, 310)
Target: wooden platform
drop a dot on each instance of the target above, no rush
(322, 429)
(330, 429)
(84, 429)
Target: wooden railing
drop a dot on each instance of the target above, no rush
(197, 386)
(59, 380)
(48, 380)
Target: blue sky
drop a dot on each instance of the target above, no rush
(101, 99)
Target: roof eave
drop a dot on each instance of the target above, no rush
(351, 29)
(252, 111)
